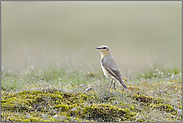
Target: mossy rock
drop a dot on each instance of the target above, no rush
(58, 106)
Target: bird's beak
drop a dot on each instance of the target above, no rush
(98, 48)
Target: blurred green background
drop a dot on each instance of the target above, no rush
(66, 33)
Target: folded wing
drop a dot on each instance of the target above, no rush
(110, 65)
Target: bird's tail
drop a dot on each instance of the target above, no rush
(123, 84)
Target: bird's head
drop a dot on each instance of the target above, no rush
(104, 49)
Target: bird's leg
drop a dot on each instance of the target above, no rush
(114, 86)
(110, 84)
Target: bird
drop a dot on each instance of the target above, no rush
(109, 66)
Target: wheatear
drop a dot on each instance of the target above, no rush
(109, 66)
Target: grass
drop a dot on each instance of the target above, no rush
(57, 95)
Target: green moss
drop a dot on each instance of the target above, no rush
(42, 101)
(81, 96)
(133, 88)
(15, 104)
(165, 107)
(58, 106)
(141, 120)
(132, 107)
(30, 92)
(180, 107)
(106, 113)
(147, 99)
(33, 119)
(8, 116)
(63, 107)
(176, 81)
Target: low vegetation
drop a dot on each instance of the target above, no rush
(58, 95)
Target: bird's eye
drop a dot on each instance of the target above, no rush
(104, 47)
